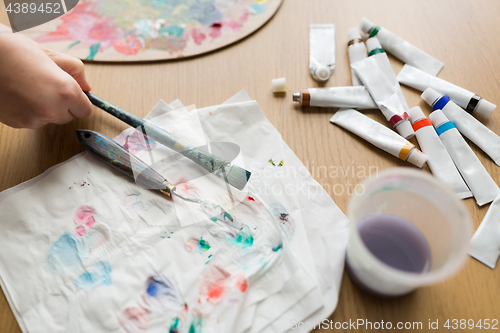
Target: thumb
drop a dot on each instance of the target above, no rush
(71, 65)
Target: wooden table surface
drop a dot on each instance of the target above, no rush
(461, 33)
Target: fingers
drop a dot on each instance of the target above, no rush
(82, 107)
(72, 66)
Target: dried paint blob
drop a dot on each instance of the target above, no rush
(161, 293)
(98, 274)
(285, 221)
(200, 245)
(135, 320)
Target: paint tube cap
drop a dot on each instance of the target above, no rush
(430, 96)
(372, 44)
(279, 85)
(485, 108)
(353, 33)
(417, 158)
(416, 114)
(437, 118)
(322, 73)
(365, 24)
(405, 129)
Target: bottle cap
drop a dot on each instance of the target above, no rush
(416, 114)
(437, 118)
(279, 85)
(365, 24)
(405, 130)
(485, 108)
(322, 73)
(417, 158)
(372, 44)
(353, 33)
(430, 96)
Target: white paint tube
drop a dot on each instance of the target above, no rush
(336, 97)
(379, 136)
(321, 51)
(357, 51)
(401, 49)
(378, 77)
(469, 126)
(420, 80)
(440, 161)
(485, 244)
(477, 178)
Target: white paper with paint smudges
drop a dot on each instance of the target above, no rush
(85, 249)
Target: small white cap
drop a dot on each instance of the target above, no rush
(322, 73)
(353, 33)
(279, 85)
(417, 158)
(405, 129)
(437, 118)
(365, 24)
(430, 96)
(372, 44)
(416, 114)
(485, 108)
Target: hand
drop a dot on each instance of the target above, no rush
(39, 86)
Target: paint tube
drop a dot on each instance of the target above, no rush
(357, 51)
(379, 135)
(401, 49)
(336, 97)
(440, 161)
(321, 51)
(475, 175)
(420, 80)
(485, 244)
(469, 126)
(378, 77)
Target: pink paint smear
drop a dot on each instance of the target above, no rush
(84, 218)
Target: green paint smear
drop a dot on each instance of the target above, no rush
(174, 327)
(277, 248)
(172, 30)
(243, 239)
(73, 44)
(94, 48)
(203, 245)
(195, 325)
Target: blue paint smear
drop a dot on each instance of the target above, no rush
(94, 48)
(172, 30)
(205, 12)
(98, 274)
(258, 9)
(162, 290)
(66, 253)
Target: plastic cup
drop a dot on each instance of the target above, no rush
(433, 211)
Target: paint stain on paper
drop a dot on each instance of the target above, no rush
(84, 219)
(242, 239)
(285, 221)
(214, 284)
(137, 142)
(200, 245)
(174, 326)
(99, 273)
(135, 320)
(162, 293)
(67, 253)
(196, 324)
(241, 283)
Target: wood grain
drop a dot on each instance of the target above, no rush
(461, 33)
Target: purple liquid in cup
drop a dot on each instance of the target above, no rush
(395, 241)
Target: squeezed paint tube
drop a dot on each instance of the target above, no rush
(321, 51)
(440, 161)
(485, 244)
(469, 126)
(477, 178)
(420, 80)
(378, 77)
(336, 97)
(401, 49)
(357, 51)
(379, 136)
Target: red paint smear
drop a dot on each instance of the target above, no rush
(80, 230)
(129, 46)
(250, 198)
(214, 284)
(198, 37)
(242, 284)
(134, 319)
(215, 290)
(234, 25)
(210, 112)
(84, 215)
(215, 32)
